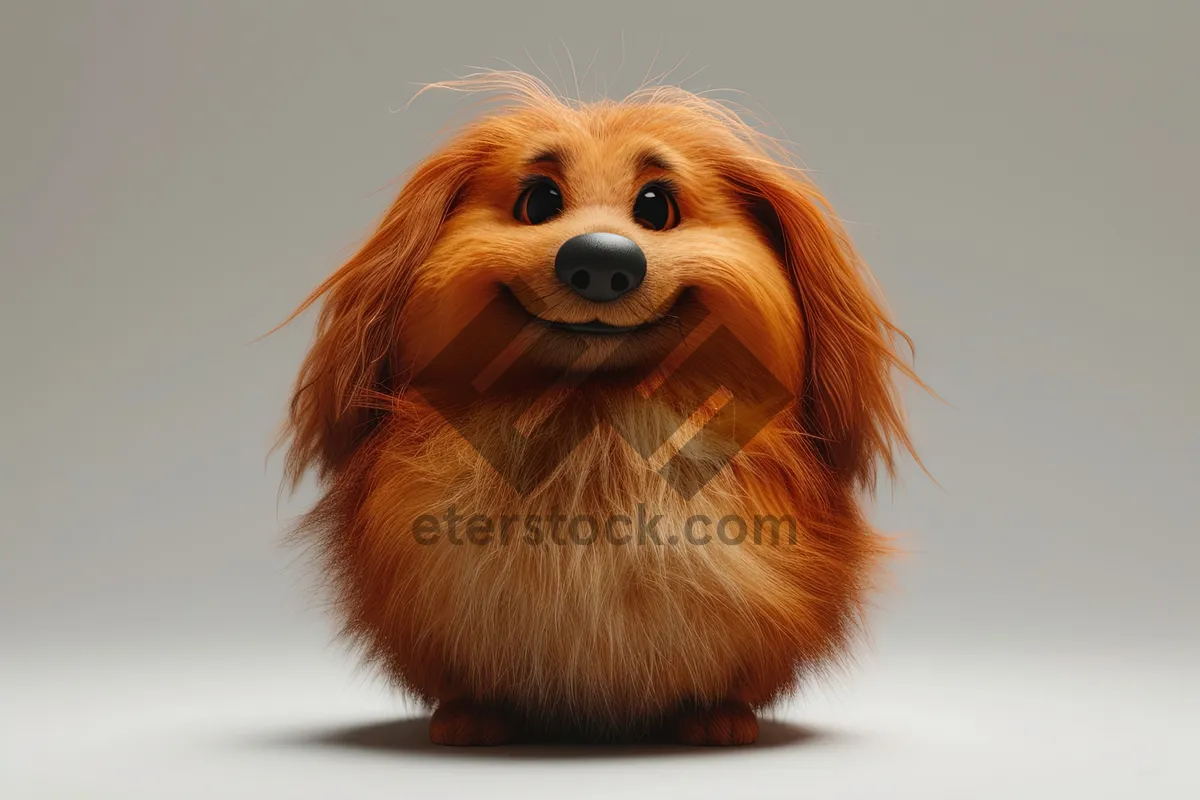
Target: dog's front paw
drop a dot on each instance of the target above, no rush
(730, 723)
(463, 723)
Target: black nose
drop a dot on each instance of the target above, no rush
(600, 266)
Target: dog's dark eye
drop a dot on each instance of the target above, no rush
(540, 202)
(655, 207)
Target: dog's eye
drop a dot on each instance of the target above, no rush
(540, 201)
(655, 207)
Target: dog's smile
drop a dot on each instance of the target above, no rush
(594, 327)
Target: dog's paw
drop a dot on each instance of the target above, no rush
(725, 725)
(462, 723)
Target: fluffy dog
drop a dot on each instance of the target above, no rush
(634, 311)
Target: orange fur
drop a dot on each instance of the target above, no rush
(602, 638)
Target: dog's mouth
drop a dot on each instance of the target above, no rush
(595, 327)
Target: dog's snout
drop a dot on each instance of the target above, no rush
(599, 266)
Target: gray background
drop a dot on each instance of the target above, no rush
(1022, 177)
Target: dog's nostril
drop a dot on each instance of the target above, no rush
(581, 279)
(620, 282)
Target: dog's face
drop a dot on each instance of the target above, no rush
(599, 238)
(611, 229)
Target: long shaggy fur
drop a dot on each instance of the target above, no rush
(605, 638)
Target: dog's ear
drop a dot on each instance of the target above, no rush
(850, 406)
(341, 393)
